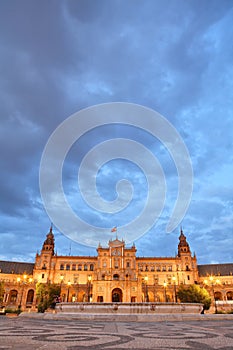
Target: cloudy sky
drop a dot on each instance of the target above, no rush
(60, 57)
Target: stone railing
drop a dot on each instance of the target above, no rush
(130, 308)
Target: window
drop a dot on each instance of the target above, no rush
(73, 267)
(116, 263)
(164, 268)
(61, 267)
(79, 267)
(169, 268)
(85, 267)
(13, 296)
(42, 276)
(103, 277)
(152, 268)
(91, 267)
(158, 268)
(68, 267)
(188, 278)
(128, 264)
(116, 277)
(30, 296)
(140, 267)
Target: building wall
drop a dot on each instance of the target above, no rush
(115, 274)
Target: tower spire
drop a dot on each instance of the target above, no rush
(183, 246)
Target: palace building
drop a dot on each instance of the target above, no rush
(115, 274)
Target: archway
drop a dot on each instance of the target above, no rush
(217, 296)
(30, 296)
(117, 295)
(13, 296)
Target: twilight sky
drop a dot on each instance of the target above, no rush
(59, 57)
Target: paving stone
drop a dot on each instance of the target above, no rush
(40, 333)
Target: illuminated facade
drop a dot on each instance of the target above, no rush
(115, 274)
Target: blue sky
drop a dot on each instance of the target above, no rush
(175, 57)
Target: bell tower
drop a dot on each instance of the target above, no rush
(48, 246)
(183, 246)
(43, 265)
(187, 263)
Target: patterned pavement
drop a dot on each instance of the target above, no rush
(19, 333)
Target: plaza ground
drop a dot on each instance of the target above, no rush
(38, 333)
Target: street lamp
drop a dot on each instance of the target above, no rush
(24, 281)
(68, 291)
(174, 284)
(61, 280)
(165, 291)
(89, 278)
(213, 282)
(146, 286)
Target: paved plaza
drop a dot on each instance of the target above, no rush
(30, 333)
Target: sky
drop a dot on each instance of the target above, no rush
(58, 58)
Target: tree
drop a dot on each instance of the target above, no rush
(194, 294)
(46, 293)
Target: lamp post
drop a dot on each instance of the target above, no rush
(174, 284)
(68, 291)
(61, 280)
(146, 287)
(24, 281)
(21, 296)
(165, 291)
(89, 278)
(212, 281)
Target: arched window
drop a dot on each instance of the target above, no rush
(67, 267)
(85, 267)
(30, 296)
(91, 267)
(79, 267)
(73, 267)
(61, 267)
(229, 295)
(13, 296)
(218, 296)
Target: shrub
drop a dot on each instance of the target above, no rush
(194, 294)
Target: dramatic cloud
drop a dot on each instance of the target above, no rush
(57, 57)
